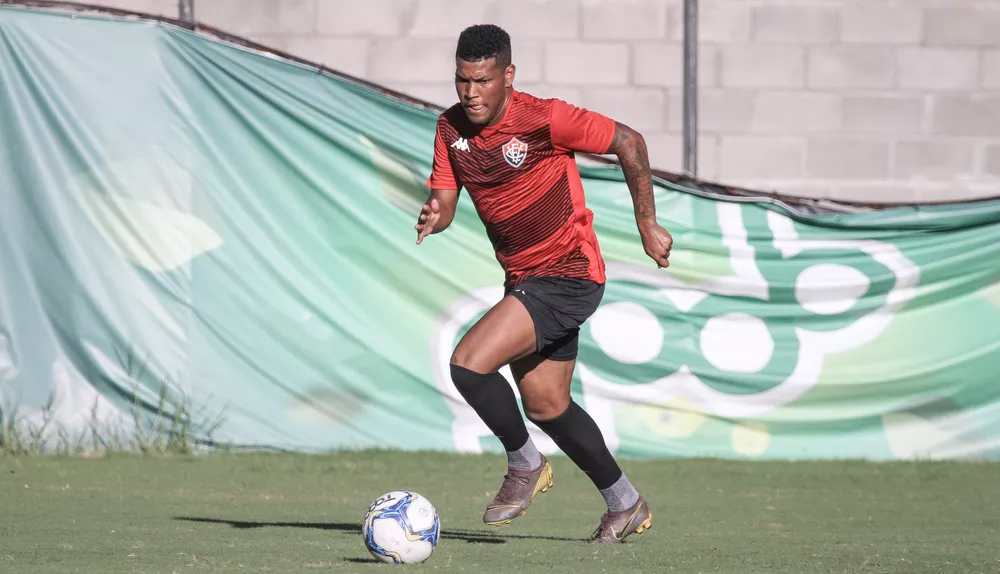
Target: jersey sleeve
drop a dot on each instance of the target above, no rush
(442, 176)
(577, 129)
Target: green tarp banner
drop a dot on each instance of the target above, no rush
(182, 214)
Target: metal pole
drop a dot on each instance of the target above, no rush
(185, 9)
(691, 87)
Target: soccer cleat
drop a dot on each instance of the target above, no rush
(615, 526)
(518, 489)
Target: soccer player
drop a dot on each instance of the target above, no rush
(514, 153)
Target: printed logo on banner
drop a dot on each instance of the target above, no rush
(742, 359)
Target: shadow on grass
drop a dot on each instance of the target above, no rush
(471, 536)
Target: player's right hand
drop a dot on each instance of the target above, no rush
(429, 216)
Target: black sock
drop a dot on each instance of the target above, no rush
(494, 401)
(580, 438)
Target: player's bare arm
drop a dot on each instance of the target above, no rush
(437, 213)
(630, 147)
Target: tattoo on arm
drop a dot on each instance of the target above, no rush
(630, 148)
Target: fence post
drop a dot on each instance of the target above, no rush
(691, 87)
(185, 9)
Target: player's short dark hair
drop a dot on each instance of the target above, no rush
(482, 42)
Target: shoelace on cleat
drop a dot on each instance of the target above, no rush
(606, 521)
(509, 487)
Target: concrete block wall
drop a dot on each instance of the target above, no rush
(872, 100)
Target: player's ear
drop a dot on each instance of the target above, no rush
(508, 76)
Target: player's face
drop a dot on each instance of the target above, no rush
(482, 88)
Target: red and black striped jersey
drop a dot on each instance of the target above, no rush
(522, 177)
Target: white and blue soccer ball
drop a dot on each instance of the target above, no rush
(401, 527)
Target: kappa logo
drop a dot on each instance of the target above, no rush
(514, 152)
(461, 144)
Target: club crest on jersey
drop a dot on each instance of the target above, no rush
(515, 151)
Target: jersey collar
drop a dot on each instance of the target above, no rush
(514, 97)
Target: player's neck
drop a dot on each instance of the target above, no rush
(502, 112)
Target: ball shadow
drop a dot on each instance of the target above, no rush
(469, 536)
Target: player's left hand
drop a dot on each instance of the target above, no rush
(657, 243)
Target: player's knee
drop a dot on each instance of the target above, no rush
(462, 358)
(468, 359)
(544, 407)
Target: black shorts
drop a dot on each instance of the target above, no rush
(558, 306)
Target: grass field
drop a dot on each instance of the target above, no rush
(279, 513)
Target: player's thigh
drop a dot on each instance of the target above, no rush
(505, 333)
(544, 385)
